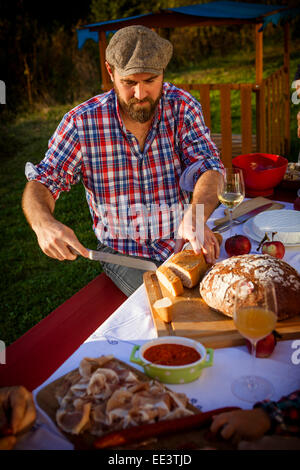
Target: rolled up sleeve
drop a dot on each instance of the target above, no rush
(61, 166)
(199, 153)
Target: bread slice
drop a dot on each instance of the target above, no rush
(164, 309)
(188, 266)
(169, 280)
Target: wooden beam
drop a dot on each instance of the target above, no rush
(246, 118)
(261, 119)
(287, 136)
(170, 20)
(258, 54)
(106, 82)
(226, 125)
(260, 98)
(205, 103)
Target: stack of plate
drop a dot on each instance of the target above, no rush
(285, 222)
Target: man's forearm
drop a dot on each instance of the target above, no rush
(55, 239)
(205, 192)
(38, 204)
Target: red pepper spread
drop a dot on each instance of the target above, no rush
(171, 355)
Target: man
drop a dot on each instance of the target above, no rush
(143, 145)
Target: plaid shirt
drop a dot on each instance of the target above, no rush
(284, 414)
(92, 144)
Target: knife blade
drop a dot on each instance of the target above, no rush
(130, 262)
(242, 218)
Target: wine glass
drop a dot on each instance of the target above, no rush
(231, 190)
(255, 316)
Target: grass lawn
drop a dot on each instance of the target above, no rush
(32, 285)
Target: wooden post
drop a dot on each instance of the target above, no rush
(226, 129)
(106, 82)
(258, 54)
(205, 103)
(287, 137)
(260, 95)
(246, 118)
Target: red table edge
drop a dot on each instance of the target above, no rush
(33, 357)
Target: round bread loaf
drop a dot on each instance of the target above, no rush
(218, 286)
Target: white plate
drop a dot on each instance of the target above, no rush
(249, 231)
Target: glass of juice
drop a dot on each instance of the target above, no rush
(255, 316)
(231, 190)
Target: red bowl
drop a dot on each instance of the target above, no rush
(261, 171)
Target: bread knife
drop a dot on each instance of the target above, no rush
(128, 261)
(242, 218)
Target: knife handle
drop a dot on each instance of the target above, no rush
(75, 252)
(220, 229)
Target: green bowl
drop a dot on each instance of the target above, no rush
(173, 374)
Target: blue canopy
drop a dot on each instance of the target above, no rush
(234, 10)
(255, 12)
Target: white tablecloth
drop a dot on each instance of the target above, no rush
(132, 324)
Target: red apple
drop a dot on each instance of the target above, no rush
(237, 245)
(265, 346)
(274, 248)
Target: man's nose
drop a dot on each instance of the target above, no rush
(140, 92)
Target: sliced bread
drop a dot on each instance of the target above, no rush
(164, 309)
(169, 280)
(188, 266)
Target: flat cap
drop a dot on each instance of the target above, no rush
(137, 49)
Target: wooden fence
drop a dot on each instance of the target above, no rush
(272, 118)
(276, 108)
(271, 133)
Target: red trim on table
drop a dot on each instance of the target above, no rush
(33, 357)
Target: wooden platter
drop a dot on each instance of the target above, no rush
(190, 439)
(193, 318)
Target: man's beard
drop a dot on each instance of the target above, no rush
(139, 113)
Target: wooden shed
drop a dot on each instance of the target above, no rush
(272, 94)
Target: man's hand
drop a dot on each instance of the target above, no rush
(57, 240)
(17, 414)
(194, 230)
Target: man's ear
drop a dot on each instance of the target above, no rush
(108, 68)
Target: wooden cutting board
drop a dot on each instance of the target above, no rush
(193, 318)
(247, 206)
(193, 439)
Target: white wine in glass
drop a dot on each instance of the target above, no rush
(231, 190)
(255, 316)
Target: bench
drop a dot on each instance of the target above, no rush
(33, 357)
